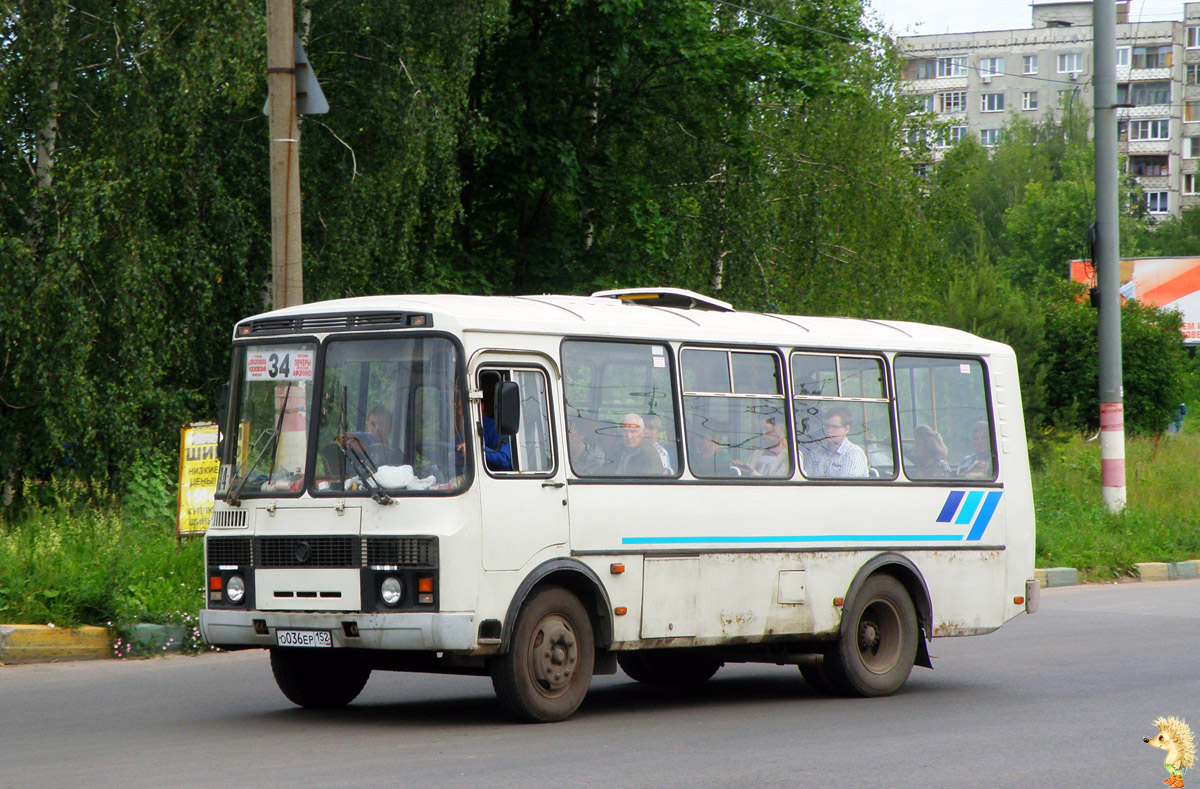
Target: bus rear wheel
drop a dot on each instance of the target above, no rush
(318, 679)
(876, 652)
(547, 670)
(676, 667)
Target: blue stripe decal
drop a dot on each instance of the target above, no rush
(804, 538)
(968, 508)
(951, 506)
(985, 515)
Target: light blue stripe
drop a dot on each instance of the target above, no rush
(985, 515)
(968, 508)
(794, 538)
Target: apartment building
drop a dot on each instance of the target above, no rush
(976, 81)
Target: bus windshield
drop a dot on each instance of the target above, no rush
(388, 418)
(270, 426)
(391, 416)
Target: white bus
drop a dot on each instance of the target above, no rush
(542, 488)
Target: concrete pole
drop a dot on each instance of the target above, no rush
(1112, 413)
(287, 271)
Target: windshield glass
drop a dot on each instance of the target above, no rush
(390, 417)
(270, 426)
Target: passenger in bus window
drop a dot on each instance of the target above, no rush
(978, 464)
(835, 455)
(710, 458)
(637, 457)
(771, 460)
(927, 460)
(586, 461)
(654, 429)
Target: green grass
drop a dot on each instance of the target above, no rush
(1162, 516)
(78, 556)
(81, 558)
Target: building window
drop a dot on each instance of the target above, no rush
(1153, 129)
(1148, 166)
(1193, 38)
(1191, 111)
(1152, 57)
(1122, 57)
(1192, 74)
(1142, 93)
(990, 137)
(916, 137)
(952, 67)
(950, 136)
(991, 67)
(1191, 147)
(1158, 202)
(952, 102)
(1189, 183)
(1122, 130)
(1070, 63)
(1029, 64)
(991, 102)
(920, 68)
(920, 102)
(1029, 100)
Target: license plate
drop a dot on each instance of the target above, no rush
(304, 638)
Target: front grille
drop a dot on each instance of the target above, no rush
(228, 519)
(308, 552)
(229, 550)
(401, 551)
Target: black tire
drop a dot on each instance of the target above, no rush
(814, 673)
(880, 645)
(546, 672)
(318, 679)
(677, 667)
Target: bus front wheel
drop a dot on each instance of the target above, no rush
(876, 652)
(318, 679)
(546, 672)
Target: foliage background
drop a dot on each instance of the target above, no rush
(753, 151)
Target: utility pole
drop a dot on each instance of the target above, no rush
(1107, 256)
(287, 270)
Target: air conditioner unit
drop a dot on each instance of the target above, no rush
(987, 79)
(1074, 75)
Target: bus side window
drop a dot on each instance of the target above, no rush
(842, 399)
(613, 390)
(944, 427)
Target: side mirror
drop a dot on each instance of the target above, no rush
(507, 408)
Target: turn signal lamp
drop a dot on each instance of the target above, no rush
(424, 584)
(214, 583)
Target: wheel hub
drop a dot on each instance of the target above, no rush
(555, 655)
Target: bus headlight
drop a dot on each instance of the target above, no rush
(391, 590)
(235, 589)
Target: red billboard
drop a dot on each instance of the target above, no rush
(1169, 283)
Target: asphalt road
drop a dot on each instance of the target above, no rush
(1061, 698)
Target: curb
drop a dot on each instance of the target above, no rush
(45, 643)
(1146, 571)
(48, 644)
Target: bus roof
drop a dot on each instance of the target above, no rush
(607, 316)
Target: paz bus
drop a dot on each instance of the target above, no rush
(544, 488)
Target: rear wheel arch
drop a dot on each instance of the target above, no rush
(906, 572)
(577, 578)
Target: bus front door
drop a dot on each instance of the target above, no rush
(522, 487)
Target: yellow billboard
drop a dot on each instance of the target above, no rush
(198, 467)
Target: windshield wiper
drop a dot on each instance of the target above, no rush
(232, 498)
(355, 455)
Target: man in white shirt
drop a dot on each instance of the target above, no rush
(835, 455)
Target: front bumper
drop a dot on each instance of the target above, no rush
(403, 631)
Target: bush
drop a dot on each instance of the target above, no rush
(1153, 360)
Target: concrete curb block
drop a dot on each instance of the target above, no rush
(1153, 571)
(43, 644)
(158, 638)
(1061, 576)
